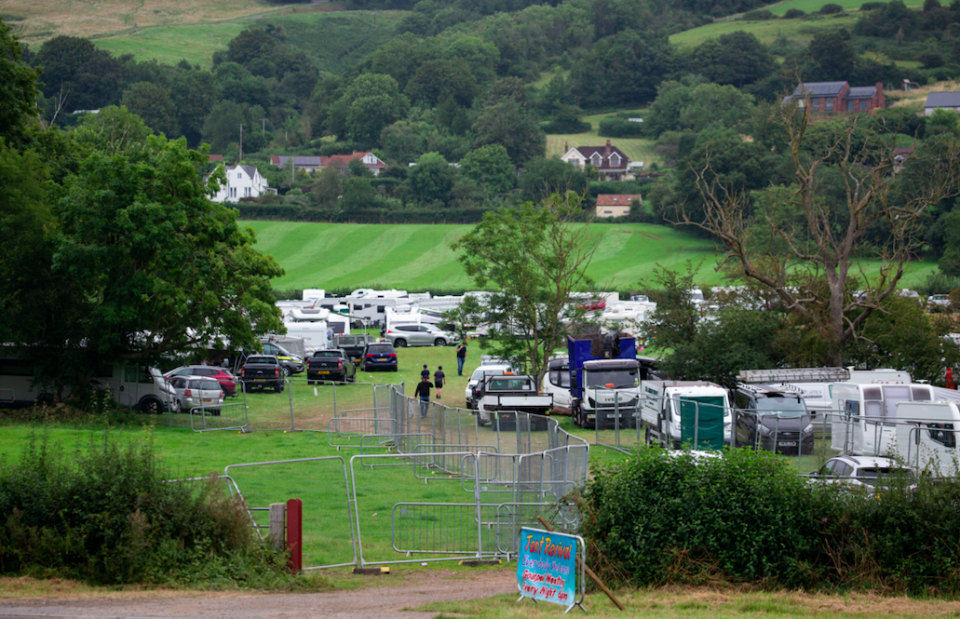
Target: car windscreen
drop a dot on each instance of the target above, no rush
(267, 360)
(328, 353)
(784, 406)
(380, 349)
(510, 384)
(613, 379)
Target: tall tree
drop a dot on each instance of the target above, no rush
(152, 103)
(535, 257)
(805, 244)
(19, 92)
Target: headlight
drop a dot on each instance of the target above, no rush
(765, 431)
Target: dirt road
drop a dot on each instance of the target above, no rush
(380, 602)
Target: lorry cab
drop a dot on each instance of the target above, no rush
(926, 436)
(611, 392)
(675, 413)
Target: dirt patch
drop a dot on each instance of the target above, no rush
(387, 601)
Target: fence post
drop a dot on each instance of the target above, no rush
(289, 385)
(278, 523)
(295, 534)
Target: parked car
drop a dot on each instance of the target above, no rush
(228, 382)
(195, 394)
(493, 369)
(938, 302)
(289, 362)
(379, 356)
(352, 345)
(260, 371)
(860, 473)
(330, 365)
(419, 335)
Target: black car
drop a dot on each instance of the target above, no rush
(379, 356)
(330, 365)
(770, 419)
(261, 371)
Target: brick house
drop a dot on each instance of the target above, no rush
(839, 97)
(610, 161)
(312, 163)
(615, 205)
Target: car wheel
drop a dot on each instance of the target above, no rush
(400, 343)
(177, 407)
(151, 406)
(278, 388)
(395, 369)
(439, 342)
(286, 371)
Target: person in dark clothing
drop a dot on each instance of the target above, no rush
(438, 380)
(423, 392)
(425, 373)
(461, 357)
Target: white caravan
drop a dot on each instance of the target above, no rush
(141, 388)
(314, 334)
(926, 436)
(867, 414)
(666, 403)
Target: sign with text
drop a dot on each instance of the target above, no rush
(546, 567)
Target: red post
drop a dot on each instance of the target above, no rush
(295, 534)
(951, 384)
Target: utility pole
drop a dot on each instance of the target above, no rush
(263, 127)
(241, 144)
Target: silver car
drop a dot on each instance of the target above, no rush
(419, 335)
(193, 394)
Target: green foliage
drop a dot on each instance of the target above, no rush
(830, 9)
(19, 92)
(567, 119)
(369, 103)
(943, 121)
(544, 177)
(107, 515)
(153, 104)
(490, 168)
(675, 320)
(616, 127)
(431, 180)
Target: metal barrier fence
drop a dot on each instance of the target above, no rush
(671, 422)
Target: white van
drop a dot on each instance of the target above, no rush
(556, 382)
(926, 437)
(666, 403)
(141, 388)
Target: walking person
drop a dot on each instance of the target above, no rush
(425, 373)
(423, 392)
(461, 357)
(438, 379)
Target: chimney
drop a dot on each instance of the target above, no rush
(566, 148)
(608, 147)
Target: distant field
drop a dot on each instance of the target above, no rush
(812, 6)
(333, 40)
(418, 257)
(767, 31)
(638, 149)
(43, 19)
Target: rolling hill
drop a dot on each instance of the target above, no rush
(418, 257)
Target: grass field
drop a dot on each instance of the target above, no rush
(638, 149)
(334, 41)
(766, 31)
(418, 257)
(812, 6)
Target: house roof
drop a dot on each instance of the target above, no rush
(819, 89)
(344, 160)
(249, 169)
(903, 150)
(303, 161)
(861, 92)
(611, 199)
(943, 99)
(215, 157)
(605, 152)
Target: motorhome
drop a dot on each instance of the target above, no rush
(314, 334)
(675, 413)
(141, 388)
(412, 314)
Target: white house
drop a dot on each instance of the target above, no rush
(610, 161)
(944, 100)
(243, 181)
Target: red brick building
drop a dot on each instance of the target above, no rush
(827, 97)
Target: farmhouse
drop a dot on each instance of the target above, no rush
(610, 161)
(826, 97)
(243, 181)
(312, 163)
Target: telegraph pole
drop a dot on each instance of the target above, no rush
(263, 127)
(241, 144)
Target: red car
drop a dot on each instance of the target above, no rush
(228, 382)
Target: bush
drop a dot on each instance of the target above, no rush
(615, 127)
(931, 60)
(938, 282)
(108, 516)
(831, 9)
(793, 14)
(758, 15)
(748, 516)
(872, 6)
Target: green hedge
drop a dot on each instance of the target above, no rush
(749, 517)
(106, 515)
(616, 127)
(294, 212)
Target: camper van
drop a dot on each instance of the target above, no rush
(677, 412)
(141, 388)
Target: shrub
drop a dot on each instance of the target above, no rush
(831, 9)
(938, 282)
(872, 6)
(615, 127)
(793, 14)
(931, 60)
(108, 516)
(670, 518)
(758, 15)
